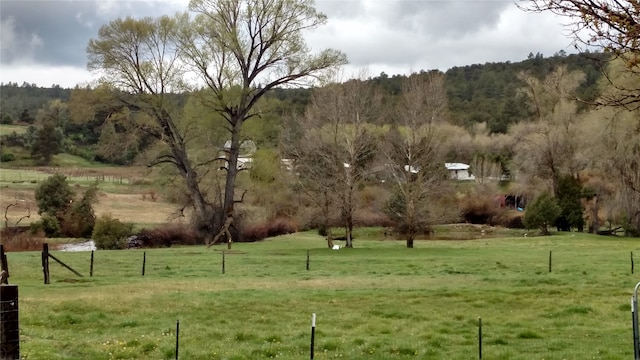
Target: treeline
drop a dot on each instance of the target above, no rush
(480, 93)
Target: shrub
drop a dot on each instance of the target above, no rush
(54, 195)
(6, 157)
(48, 224)
(21, 238)
(168, 235)
(271, 228)
(478, 209)
(109, 233)
(541, 213)
(80, 219)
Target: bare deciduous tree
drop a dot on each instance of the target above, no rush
(547, 148)
(337, 145)
(612, 26)
(415, 153)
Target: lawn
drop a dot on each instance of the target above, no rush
(6, 129)
(377, 301)
(123, 193)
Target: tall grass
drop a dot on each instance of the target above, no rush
(377, 301)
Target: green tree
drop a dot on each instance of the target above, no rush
(54, 196)
(541, 213)
(110, 233)
(241, 49)
(47, 142)
(568, 198)
(79, 220)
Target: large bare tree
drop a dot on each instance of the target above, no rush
(415, 154)
(237, 49)
(336, 147)
(548, 147)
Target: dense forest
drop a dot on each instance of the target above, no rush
(477, 93)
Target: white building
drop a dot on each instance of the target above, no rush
(459, 171)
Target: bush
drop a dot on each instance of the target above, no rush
(21, 238)
(111, 234)
(79, 220)
(168, 235)
(543, 212)
(271, 228)
(477, 209)
(48, 224)
(6, 157)
(54, 195)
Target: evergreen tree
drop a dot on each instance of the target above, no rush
(543, 212)
(568, 198)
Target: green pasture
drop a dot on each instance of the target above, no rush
(377, 301)
(25, 179)
(8, 129)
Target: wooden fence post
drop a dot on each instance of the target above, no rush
(9, 324)
(91, 268)
(45, 262)
(4, 267)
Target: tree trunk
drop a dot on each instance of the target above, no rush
(203, 213)
(232, 171)
(595, 225)
(410, 242)
(349, 229)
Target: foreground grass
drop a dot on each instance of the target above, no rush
(378, 301)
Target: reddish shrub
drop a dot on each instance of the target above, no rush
(479, 209)
(21, 239)
(271, 228)
(366, 218)
(167, 235)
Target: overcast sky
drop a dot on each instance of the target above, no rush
(44, 41)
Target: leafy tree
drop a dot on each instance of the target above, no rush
(79, 220)
(238, 57)
(25, 117)
(542, 213)
(110, 233)
(568, 198)
(54, 196)
(47, 142)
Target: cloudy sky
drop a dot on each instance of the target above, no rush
(44, 41)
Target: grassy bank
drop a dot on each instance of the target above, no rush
(378, 301)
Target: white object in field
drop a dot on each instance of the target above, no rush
(335, 247)
(313, 320)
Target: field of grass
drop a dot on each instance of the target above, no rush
(8, 129)
(123, 192)
(377, 301)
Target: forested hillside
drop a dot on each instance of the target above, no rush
(477, 93)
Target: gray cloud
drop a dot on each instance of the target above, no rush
(394, 36)
(57, 32)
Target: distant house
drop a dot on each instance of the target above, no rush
(247, 149)
(459, 171)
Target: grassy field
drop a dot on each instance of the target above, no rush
(377, 301)
(8, 129)
(123, 192)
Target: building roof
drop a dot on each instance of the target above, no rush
(456, 166)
